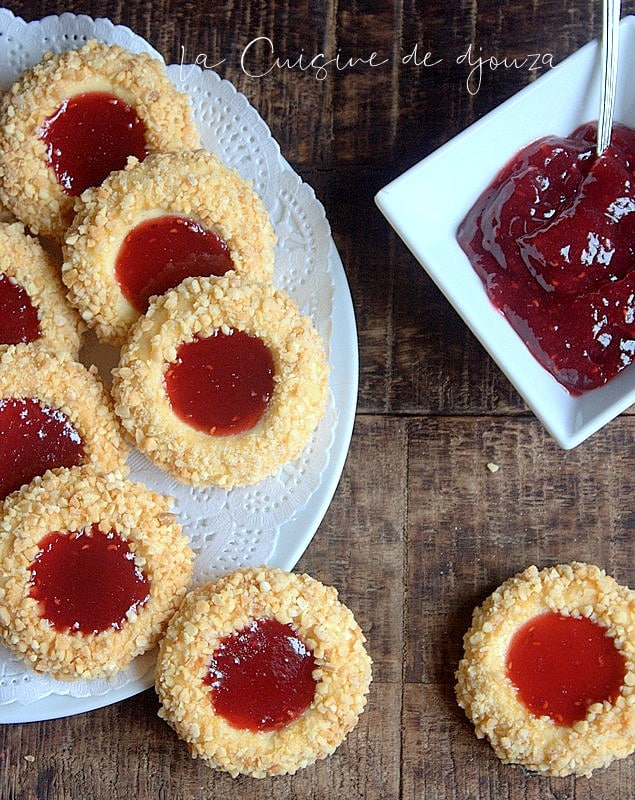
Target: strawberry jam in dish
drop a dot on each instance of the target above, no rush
(562, 665)
(261, 677)
(86, 581)
(89, 136)
(19, 320)
(162, 251)
(34, 438)
(552, 239)
(221, 384)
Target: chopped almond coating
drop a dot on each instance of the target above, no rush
(323, 623)
(60, 383)
(195, 184)
(28, 187)
(198, 308)
(73, 500)
(25, 262)
(490, 700)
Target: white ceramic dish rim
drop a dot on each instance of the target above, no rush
(425, 209)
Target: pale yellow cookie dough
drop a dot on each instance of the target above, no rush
(28, 186)
(198, 307)
(324, 624)
(25, 262)
(58, 382)
(489, 698)
(194, 184)
(71, 501)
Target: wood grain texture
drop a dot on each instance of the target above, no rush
(419, 530)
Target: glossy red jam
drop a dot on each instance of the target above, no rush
(562, 665)
(161, 252)
(89, 136)
(86, 581)
(221, 384)
(553, 241)
(18, 316)
(34, 438)
(261, 677)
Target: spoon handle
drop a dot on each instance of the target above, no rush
(609, 55)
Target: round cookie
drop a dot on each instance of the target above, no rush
(54, 413)
(33, 305)
(93, 566)
(35, 184)
(194, 679)
(148, 227)
(549, 670)
(199, 444)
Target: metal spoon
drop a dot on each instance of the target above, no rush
(609, 53)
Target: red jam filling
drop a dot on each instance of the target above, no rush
(553, 240)
(34, 438)
(86, 581)
(89, 136)
(18, 316)
(261, 677)
(161, 252)
(221, 384)
(562, 665)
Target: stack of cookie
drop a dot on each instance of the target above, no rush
(124, 225)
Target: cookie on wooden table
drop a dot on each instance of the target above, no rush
(548, 674)
(262, 672)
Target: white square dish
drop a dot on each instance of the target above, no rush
(427, 203)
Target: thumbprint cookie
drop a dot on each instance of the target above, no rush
(54, 413)
(77, 116)
(93, 566)
(148, 227)
(222, 381)
(33, 305)
(548, 673)
(262, 672)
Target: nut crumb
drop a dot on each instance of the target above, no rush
(492, 467)
(29, 758)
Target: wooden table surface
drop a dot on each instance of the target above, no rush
(419, 530)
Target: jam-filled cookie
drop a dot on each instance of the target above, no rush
(54, 413)
(33, 305)
(262, 672)
(548, 674)
(152, 225)
(93, 566)
(222, 381)
(77, 116)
